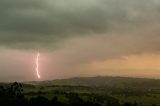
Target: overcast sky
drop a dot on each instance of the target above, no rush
(79, 38)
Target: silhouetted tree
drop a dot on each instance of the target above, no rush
(11, 95)
(16, 88)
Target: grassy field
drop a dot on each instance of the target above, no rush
(144, 92)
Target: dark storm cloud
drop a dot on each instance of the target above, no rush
(46, 21)
(35, 23)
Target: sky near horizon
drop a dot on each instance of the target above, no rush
(79, 38)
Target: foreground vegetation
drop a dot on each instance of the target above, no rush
(97, 91)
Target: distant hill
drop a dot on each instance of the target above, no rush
(116, 82)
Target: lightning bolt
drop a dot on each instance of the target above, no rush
(37, 65)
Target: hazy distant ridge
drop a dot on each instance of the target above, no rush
(103, 82)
